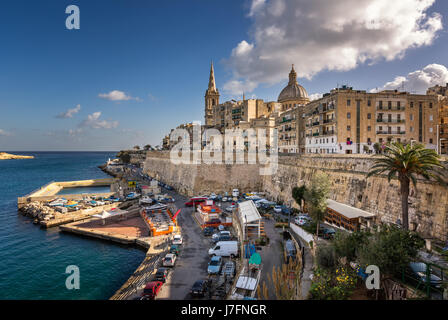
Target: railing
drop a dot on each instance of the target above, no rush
(328, 133)
(316, 123)
(382, 108)
(328, 120)
(391, 132)
(390, 120)
(315, 134)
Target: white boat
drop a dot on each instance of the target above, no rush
(158, 206)
(145, 200)
(58, 202)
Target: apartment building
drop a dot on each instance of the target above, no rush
(352, 121)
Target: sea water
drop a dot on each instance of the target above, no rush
(33, 261)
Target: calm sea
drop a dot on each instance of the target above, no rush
(33, 260)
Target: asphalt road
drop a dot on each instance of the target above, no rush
(193, 258)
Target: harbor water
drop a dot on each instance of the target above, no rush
(33, 261)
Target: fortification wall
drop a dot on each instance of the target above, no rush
(428, 204)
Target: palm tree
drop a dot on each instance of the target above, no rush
(407, 162)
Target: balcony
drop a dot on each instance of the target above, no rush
(315, 134)
(316, 123)
(285, 120)
(391, 132)
(328, 120)
(387, 109)
(328, 133)
(390, 120)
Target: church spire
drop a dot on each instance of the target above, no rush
(211, 81)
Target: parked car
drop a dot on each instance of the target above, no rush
(235, 193)
(231, 207)
(418, 271)
(286, 210)
(302, 220)
(224, 199)
(213, 196)
(152, 289)
(216, 236)
(177, 239)
(290, 251)
(200, 288)
(213, 221)
(327, 233)
(175, 249)
(215, 265)
(208, 231)
(224, 237)
(278, 209)
(169, 260)
(229, 269)
(161, 275)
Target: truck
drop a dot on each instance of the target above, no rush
(224, 249)
(235, 193)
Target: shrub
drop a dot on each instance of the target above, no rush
(337, 285)
(325, 256)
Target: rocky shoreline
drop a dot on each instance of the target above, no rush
(8, 156)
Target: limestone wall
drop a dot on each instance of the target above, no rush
(428, 208)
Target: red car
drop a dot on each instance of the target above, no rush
(152, 289)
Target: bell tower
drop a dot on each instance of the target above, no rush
(211, 98)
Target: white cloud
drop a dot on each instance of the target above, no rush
(237, 87)
(75, 132)
(93, 121)
(323, 35)
(117, 95)
(420, 80)
(4, 133)
(315, 96)
(69, 113)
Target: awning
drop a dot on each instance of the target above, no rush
(348, 211)
(248, 212)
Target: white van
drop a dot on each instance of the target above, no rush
(235, 193)
(225, 249)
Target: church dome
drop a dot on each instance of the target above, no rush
(293, 91)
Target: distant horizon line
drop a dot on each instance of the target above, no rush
(8, 151)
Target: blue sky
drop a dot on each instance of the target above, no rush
(158, 54)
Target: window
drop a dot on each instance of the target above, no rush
(389, 104)
(430, 129)
(348, 128)
(430, 105)
(412, 104)
(430, 141)
(398, 104)
(348, 102)
(411, 129)
(369, 116)
(430, 117)
(348, 115)
(369, 103)
(380, 104)
(411, 117)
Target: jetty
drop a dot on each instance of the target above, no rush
(8, 156)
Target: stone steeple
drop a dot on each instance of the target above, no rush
(211, 97)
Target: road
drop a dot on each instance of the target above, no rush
(193, 259)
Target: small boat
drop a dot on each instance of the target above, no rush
(158, 206)
(97, 203)
(112, 199)
(58, 202)
(132, 196)
(71, 204)
(145, 200)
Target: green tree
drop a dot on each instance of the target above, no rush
(316, 196)
(147, 147)
(407, 163)
(347, 244)
(377, 147)
(298, 194)
(136, 147)
(124, 157)
(391, 249)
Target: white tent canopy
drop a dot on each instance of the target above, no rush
(249, 212)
